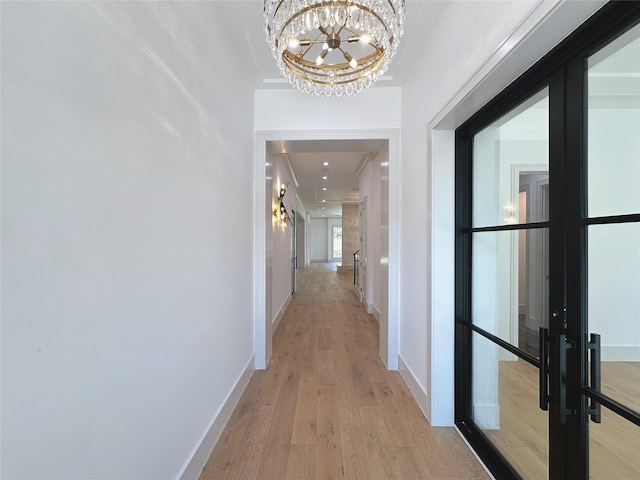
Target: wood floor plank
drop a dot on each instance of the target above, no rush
(329, 461)
(410, 467)
(304, 423)
(464, 458)
(326, 367)
(395, 417)
(246, 461)
(302, 462)
(434, 456)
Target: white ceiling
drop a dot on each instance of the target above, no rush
(306, 159)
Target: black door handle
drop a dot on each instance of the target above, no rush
(543, 341)
(594, 369)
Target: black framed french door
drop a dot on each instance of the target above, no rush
(548, 262)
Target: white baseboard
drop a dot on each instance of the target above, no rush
(487, 416)
(276, 321)
(416, 390)
(375, 313)
(620, 353)
(198, 459)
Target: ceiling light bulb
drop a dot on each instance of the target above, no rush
(366, 38)
(324, 189)
(326, 164)
(353, 63)
(320, 59)
(324, 178)
(294, 43)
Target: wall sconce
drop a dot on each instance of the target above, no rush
(281, 212)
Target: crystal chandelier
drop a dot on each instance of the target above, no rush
(333, 47)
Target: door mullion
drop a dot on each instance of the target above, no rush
(576, 248)
(557, 279)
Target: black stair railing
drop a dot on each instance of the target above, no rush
(356, 261)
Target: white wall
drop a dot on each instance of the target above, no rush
(126, 265)
(318, 234)
(292, 110)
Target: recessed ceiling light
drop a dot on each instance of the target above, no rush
(324, 188)
(323, 208)
(324, 178)
(326, 164)
(323, 201)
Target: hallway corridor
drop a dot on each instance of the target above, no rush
(326, 407)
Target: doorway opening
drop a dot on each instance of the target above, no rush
(265, 234)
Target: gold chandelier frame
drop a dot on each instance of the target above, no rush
(295, 39)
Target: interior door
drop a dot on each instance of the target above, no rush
(548, 306)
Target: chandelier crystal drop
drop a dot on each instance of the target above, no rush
(333, 47)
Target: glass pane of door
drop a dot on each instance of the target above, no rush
(509, 283)
(505, 408)
(614, 308)
(613, 253)
(613, 83)
(504, 154)
(511, 187)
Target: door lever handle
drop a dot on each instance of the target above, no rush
(543, 341)
(595, 376)
(561, 346)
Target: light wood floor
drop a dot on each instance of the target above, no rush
(326, 408)
(614, 445)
